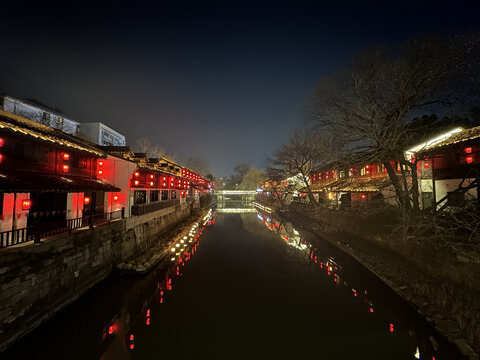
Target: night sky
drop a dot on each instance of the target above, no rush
(225, 81)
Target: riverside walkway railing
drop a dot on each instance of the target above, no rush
(37, 232)
(142, 209)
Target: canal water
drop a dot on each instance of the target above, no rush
(249, 286)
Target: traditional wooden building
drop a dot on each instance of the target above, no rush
(48, 180)
(353, 186)
(450, 168)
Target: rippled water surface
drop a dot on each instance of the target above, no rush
(252, 287)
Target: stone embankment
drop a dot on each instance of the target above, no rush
(440, 285)
(161, 250)
(37, 280)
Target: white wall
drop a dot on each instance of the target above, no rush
(442, 187)
(117, 172)
(35, 113)
(101, 134)
(21, 216)
(75, 202)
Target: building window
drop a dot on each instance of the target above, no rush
(140, 197)
(342, 174)
(164, 194)
(174, 194)
(154, 195)
(45, 118)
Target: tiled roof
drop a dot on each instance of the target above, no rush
(16, 181)
(462, 136)
(360, 185)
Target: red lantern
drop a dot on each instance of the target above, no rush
(86, 200)
(137, 174)
(100, 163)
(26, 204)
(65, 168)
(136, 182)
(364, 196)
(468, 150)
(100, 172)
(115, 197)
(66, 156)
(1, 142)
(469, 159)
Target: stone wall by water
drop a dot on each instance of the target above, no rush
(441, 284)
(37, 280)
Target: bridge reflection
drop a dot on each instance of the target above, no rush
(235, 201)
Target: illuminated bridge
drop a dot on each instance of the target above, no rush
(235, 201)
(235, 192)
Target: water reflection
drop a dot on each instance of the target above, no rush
(258, 289)
(424, 343)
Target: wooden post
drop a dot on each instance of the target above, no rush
(14, 216)
(433, 186)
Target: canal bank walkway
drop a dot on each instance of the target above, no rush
(145, 261)
(451, 309)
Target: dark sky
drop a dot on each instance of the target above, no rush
(225, 81)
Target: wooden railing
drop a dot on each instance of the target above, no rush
(37, 232)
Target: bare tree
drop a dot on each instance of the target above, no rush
(274, 179)
(296, 159)
(197, 164)
(144, 145)
(369, 106)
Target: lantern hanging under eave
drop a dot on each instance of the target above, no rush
(26, 204)
(86, 200)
